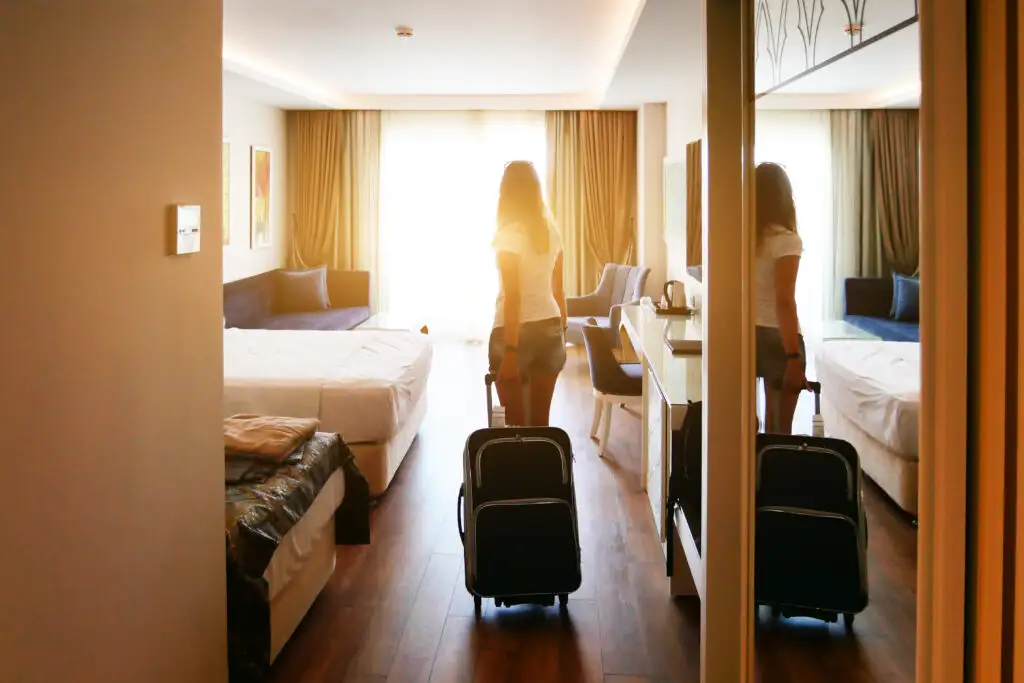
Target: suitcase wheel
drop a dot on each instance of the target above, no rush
(563, 601)
(477, 605)
(848, 622)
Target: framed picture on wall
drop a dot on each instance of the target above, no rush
(225, 161)
(259, 200)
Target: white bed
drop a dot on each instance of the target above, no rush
(369, 386)
(871, 395)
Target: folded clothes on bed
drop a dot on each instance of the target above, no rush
(266, 437)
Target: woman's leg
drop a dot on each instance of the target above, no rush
(542, 389)
(547, 342)
(789, 399)
(510, 392)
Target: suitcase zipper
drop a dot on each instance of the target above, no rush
(811, 449)
(514, 502)
(519, 439)
(805, 512)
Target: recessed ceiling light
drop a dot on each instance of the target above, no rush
(403, 32)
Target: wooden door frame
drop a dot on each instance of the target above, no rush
(942, 467)
(727, 608)
(1018, 598)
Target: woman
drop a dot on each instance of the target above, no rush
(780, 346)
(528, 338)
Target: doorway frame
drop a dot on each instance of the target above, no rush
(942, 472)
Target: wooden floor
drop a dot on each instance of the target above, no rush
(397, 610)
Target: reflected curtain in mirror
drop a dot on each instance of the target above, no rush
(895, 138)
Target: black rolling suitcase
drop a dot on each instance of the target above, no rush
(810, 528)
(517, 515)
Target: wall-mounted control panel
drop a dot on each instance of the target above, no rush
(186, 221)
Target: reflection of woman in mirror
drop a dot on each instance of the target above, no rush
(781, 355)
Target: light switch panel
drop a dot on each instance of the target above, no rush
(187, 219)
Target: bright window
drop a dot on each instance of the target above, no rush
(800, 141)
(440, 172)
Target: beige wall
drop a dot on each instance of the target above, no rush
(248, 123)
(112, 561)
(684, 124)
(650, 156)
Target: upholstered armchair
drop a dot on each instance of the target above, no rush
(619, 285)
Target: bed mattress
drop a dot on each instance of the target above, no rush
(362, 384)
(876, 385)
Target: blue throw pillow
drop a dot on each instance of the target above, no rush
(906, 298)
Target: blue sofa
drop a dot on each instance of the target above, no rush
(255, 303)
(868, 304)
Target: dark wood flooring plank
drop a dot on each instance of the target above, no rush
(414, 657)
(456, 653)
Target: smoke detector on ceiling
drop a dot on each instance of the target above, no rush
(403, 32)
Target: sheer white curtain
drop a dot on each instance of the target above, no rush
(440, 172)
(800, 141)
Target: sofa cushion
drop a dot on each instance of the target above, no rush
(886, 329)
(337, 319)
(906, 297)
(249, 300)
(300, 291)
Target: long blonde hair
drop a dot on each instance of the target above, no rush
(774, 203)
(520, 200)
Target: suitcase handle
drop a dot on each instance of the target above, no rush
(816, 388)
(458, 513)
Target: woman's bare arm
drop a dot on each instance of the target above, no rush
(557, 288)
(786, 269)
(508, 268)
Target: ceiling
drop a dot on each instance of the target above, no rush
(528, 54)
(886, 73)
(346, 53)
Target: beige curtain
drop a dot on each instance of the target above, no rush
(334, 188)
(564, 197)
(314, 184)
(694, 211)
(896, 163)
(356, 245)
(608, 187)
(856, 246)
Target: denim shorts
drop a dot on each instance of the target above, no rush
(771, 355)
(541, 347)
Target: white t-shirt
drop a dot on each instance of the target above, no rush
(778, 242)
(535, 269)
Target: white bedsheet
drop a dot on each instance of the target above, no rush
(361, 384)
(876, 385)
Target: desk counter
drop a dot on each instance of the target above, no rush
(670, 381)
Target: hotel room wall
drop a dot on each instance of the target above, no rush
(113, 544)
(248, 123)
(684, 124)
(651, 130)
